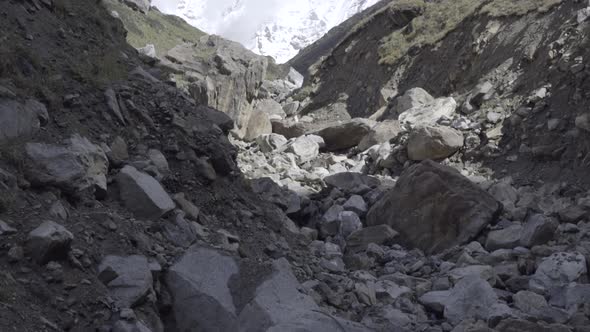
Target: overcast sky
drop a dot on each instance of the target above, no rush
(240, 27)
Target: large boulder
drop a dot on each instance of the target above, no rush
(345, 135)
(277, 305)
(289, 128)
(270, 142)
(73, 167)
(472, 297)
(433, 207)
(129, 279)
(284, 198)
(199, 285)
(305, 148)
(429, 114)
(558, 270)
(382, 132)
(215, 292)
(259, 124)
(270, 107)
(21, 119)
(49, 241)
(434, 143)
(415, 97)
(142, 194)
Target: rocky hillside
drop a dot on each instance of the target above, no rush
(430, 175)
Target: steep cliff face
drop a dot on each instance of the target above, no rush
(308, 56)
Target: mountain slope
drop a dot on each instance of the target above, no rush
(279, 30)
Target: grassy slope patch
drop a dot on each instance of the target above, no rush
(444, 16)
(164, 31)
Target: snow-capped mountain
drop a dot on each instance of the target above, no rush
(276, 28)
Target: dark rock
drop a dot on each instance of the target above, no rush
(142, 194)
(434, 208)
(129, 279)
(49, 241)
(346, 135)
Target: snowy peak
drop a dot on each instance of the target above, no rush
(274, 28)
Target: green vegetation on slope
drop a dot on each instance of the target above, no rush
(499, 8)
(437, 21)
(442, 17)
(164, 31)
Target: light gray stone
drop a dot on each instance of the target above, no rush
(270, 142)
(434, 143)
(429, 114)
(142, 194)
(558, 270)
(304, 147)
(73, 167)
(207, 290)
(129, 279)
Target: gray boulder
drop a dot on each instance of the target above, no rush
(285, 199)
(434, 143)
(21, 119)
(507, 238)
(380, 133)
(259, 124)
(473, 297)
(49, 241)
(304, 147)
(356, 204)
(73, 167)
(142, 194)
(199, 285)
(349, 223)
(429, 114)
(538, 230)
(148, 50)
(270, 142)
(351, 182)
(345, 135)
(415, 97)
(289, 128)
(270, 107)
(129, 279)
(558, 270)
(360, 240)
(213, 292)
(434, 208)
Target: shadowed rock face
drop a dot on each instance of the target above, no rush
(434, 208)
(228, 298)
